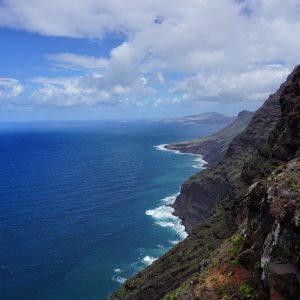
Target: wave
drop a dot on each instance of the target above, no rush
(200, 163)
(199, 158)
(162, 147)
(119, 279)
(174, 242)
(165, 224)
(163, 216)
(148, 260)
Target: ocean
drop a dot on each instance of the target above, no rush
(83, 204)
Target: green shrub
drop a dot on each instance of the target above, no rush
(234, 261)
(246, 290)
(235, 251)
(238, 240)
(266, 150)
(170, 297)
(220, 291)
(293, 185)
(257, 265)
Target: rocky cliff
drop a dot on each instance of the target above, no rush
(242, 215)
(203, 191)
(213, 147)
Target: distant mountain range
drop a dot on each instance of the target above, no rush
(207, 117)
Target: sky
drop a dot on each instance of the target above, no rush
(137, 59)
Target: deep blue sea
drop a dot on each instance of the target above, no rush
(82, 204)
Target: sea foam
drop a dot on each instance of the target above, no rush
(199, 158)
(163, 216)
(119, 279)
(148, 260)
(174, 242)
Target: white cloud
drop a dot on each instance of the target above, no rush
(88, 90)
(224, 50)
(9, 89)
(75, 61)
(160, 78)
(252, 84)
(166, 101)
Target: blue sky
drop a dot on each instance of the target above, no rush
(142, 59)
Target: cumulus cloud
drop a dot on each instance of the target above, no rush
(253, 84)
(9, 89)
(88, 90)
(226, 50)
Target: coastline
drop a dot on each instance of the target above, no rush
(213, 147)
(200, 158)
(163, 215)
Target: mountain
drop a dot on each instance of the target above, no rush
(208, 117)
(242, 215)
(213, 147)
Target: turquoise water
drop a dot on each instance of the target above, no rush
(82, 204)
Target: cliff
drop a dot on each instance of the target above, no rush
(242, 215)
(203, 191)
(213, 147)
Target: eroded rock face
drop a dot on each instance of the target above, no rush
(195, 202)
(273, 231)
(286, 136)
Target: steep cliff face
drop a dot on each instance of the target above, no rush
(241, 165)
(273, 227)
(203, 191)
(286, 136)
(247, 245)
(213, 147)
(273, 232)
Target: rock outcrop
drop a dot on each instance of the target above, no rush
(273, 231)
